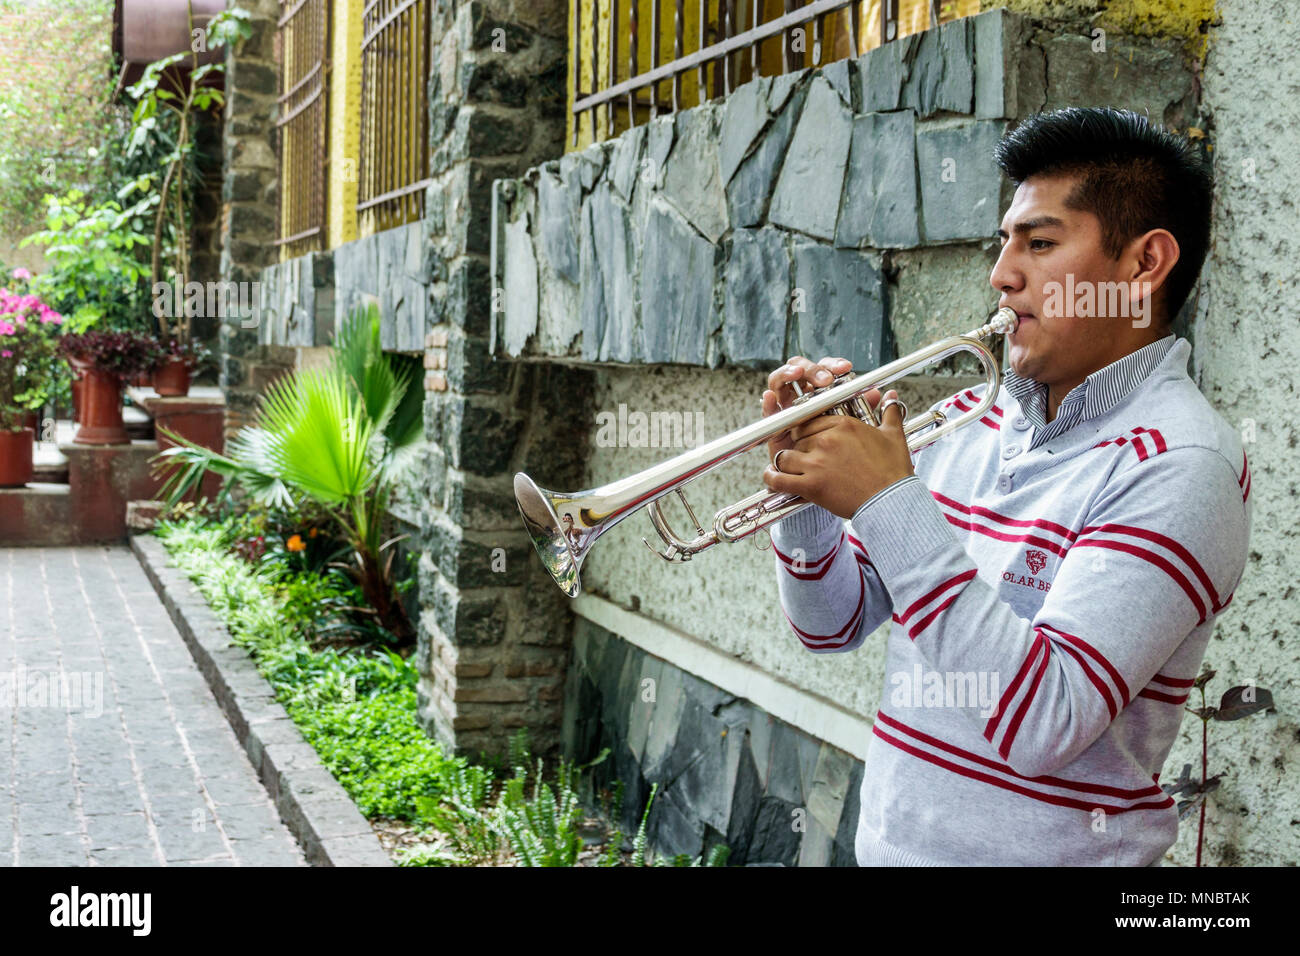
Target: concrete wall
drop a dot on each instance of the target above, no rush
(1245, 361)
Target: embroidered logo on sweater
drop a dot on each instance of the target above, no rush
(1035, 560)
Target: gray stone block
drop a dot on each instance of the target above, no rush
(841, 293)
(751, 185)
(676, 290)
(692, 179)
(996, 76)
(744, 116)
(961, 187)
(659, 142)
(882, 74)
(756, 297)
(879, 207)
(840, 76)
(625, 162)
(942, 75)
(807, 195)
(608, 274)
(520, 319)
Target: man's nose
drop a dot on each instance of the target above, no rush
(1005, 277)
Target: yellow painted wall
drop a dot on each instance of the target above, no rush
(344, 122)
(913, 17)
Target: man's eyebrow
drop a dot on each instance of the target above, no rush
(1029, 225)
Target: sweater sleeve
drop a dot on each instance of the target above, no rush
(1161, 550)
(829, 590)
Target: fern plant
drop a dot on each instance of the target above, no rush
(462, 813)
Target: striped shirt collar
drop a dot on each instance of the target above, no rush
(1095, 395)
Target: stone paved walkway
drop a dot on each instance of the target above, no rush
(115, 752)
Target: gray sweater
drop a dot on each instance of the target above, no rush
(1051, 592)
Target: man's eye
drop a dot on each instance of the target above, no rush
(1040, 244)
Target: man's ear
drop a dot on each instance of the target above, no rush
(1151, 257)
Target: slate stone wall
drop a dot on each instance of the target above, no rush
(728, 771)
(799, 214)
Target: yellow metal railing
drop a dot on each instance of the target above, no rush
(302, 38)
(630, 60)
(394, 113)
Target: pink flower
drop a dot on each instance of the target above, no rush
(6, 354)
(21, 273)
(7, 328)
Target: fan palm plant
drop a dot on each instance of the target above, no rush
(344, 436)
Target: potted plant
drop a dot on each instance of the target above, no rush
(105, 361)
(177, 363)
(28, 375)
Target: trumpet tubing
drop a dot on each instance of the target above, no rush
(564, 527)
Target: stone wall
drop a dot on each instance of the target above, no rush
(249, 197)
(729, 771)
(1245, 362)
(795, 215)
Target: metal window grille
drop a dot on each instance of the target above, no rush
(726, 50)
(394, 129)
(302, 39)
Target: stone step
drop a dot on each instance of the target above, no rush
(39, 515)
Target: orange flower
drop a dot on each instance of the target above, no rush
(296, 543)
(311, 533)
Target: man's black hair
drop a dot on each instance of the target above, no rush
(1133, 176)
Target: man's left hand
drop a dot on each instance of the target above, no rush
(840, 461)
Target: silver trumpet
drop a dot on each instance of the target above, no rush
(564, 527)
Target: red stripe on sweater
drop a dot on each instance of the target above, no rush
(1000, 536)
(1097, 682)
(1099, 788)
(925, 622)
(970, 393)
(1095, 655)
(1161, 447)
(1023, 709)
(983, 512)
(839, 637)
(1166, 698)
(1173, 681)
(1169, 544)
(1016, 788)
(786, 559)
(985, 420)
(951, 582)
(1010, 693)
(1158, 561)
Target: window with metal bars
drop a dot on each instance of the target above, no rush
(394, 167)
(630, 60)
(301, 42)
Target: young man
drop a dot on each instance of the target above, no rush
(1065, 556)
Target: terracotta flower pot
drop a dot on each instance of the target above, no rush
(100, 418)
(76, 396)
(16, 457)
(32, 420)
(172, 378)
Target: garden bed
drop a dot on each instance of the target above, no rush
(352, 698)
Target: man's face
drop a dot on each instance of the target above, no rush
(1043, 242)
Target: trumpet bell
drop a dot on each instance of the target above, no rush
(554, 547)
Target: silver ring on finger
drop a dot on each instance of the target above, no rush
(887, 404)
(776, 460)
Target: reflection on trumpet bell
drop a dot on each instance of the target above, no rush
(563, 528)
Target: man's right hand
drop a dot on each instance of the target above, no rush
(780, 391)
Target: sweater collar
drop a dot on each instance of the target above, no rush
(1099, 392)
